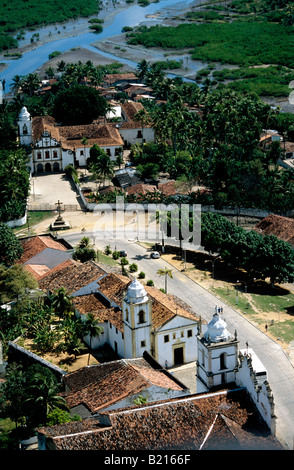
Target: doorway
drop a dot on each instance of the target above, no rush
(178, 356)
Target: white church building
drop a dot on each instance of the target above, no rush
(53, 146)
(138, 319)
(220, 362)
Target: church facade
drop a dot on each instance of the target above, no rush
(144, 319)
(53, 147)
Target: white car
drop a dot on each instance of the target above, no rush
(155, 254)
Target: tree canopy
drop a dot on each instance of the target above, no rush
(10, 247)
(78, 105)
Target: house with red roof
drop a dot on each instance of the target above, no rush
(223, 420)
(130, 380)
(42, 253)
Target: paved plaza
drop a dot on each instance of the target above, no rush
(47, 189)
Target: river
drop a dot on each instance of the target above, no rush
(35, 58)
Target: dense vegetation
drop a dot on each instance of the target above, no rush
(30, 398)
(14, 176)
(78, 105)
(261, 257)
(233, 43)
(68, 102)
(16, 15)
(245, 33)
(217, 147)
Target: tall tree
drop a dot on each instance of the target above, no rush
(10, 247)
(43, 397)
(165, 272)
(92, 328)
(62, 302)
(78, 104)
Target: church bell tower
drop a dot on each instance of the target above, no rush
(217, 357)
(137, 320)
(25, 127)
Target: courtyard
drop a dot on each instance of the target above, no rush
(48, 189)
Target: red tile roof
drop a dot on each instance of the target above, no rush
(72, 276)
(37, 270)
(70, 137)
(210, 421)
(113, 287)
(127, 379)
(280, 227)
(35, 245)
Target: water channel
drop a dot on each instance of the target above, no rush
(35, 58)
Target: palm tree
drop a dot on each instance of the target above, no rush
(62, 303)
(142, 68)
(104, 166)
(16, 82)
(165, 272)
(92, 328)
(44, 397)
(85, 143)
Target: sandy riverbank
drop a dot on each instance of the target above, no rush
(116, 45)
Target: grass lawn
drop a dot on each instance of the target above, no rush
(107, 259)
(274, 309)
(260, 304)
(34, 218)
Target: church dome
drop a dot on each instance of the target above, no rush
(217, 330)
(136, 293)
(24, 115)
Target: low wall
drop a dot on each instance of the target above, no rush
(27, 358)
(17, 222)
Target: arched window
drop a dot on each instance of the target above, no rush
(127, 315)
(24, 129)
(223, 361)
(142, 316)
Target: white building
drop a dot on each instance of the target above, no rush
(217, 354)
(131, 130)
(53, 147)
(137, 318)
(220, 362)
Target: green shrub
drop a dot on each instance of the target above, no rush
(133, 267)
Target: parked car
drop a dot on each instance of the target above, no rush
(123, 254)
(155, 254)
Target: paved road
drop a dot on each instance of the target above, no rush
(280, 369)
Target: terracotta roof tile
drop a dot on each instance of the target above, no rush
(126, 377)
(168, 188)
(115, 77)
(280, 227)
(37, 270)
(113, 287)
(141, 188)
(72, 276)
(181, 424)
(35, 245)
(70, 136)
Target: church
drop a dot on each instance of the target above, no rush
(53, 146)
(137, 318)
